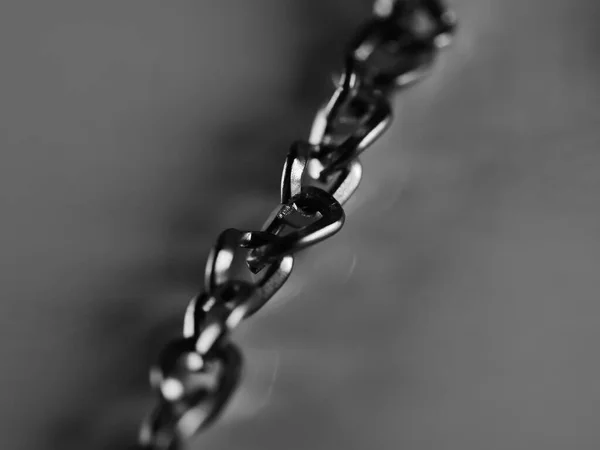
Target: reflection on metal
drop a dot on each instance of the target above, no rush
(196, 374)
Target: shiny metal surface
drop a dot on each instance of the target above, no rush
(398, 30)
(470, 250)
(378, 118)
(233, 244)
(308, 214)
(323, 212)
(297, 174)
(347, 88)
(175, 420)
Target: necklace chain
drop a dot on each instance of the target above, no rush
(196, 375)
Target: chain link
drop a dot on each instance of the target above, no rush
(196, 375)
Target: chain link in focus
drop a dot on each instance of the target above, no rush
(196, 375)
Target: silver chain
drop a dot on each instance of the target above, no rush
(196, 374)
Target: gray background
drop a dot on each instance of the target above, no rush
(458, 309)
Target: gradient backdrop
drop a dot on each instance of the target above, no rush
(457, 310)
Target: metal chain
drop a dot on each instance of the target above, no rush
(196, 374)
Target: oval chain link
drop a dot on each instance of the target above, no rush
(196, 374)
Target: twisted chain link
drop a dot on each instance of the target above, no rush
(197, 374)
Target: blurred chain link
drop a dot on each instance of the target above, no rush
(196, 375)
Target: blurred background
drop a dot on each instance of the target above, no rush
(457, 309)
